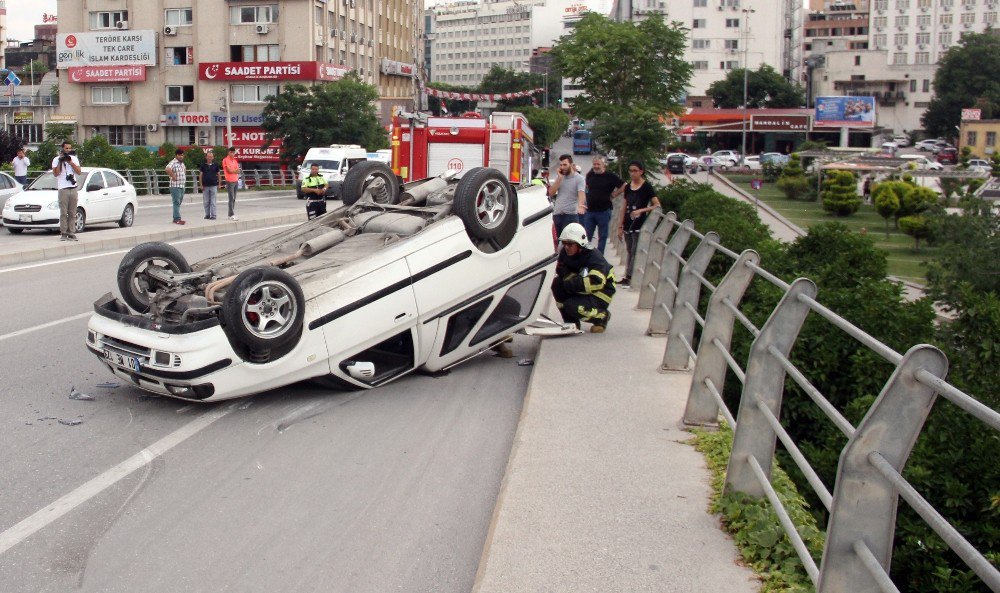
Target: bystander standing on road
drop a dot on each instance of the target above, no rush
(231, 169)
(640, 200)
(568, 189)
(177, 173)
(208, 179)
(66, 167)
(584, 284)
(602, 186)
(20, 164)
(314, 187)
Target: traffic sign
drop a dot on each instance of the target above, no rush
(12, 79)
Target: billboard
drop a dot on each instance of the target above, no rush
(107, 48)
(841, 112)
(250, 71)
(107, 73)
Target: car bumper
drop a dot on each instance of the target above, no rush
(37, 222)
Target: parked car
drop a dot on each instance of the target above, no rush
(720, 162)
(948, 155)
(104, 196)
(776, 158)
(751, 163)
(940, 146)
(922, 162)
(727, 155)
(929, 144)
(678, 162)
(980, 165)
(901, 140)
(8, 187)
(425, 276)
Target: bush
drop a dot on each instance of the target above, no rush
(917, 227)
(771, 171)
(840, 195)
(887, 204)
(795, 188)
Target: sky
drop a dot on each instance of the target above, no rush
(23, 15)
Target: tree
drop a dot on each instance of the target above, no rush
(97, 152)
(454, 106)
(548, 124)
(901, 190)
(965, 76)
(766, 88)
(58, 132)
(503, 80)
(917, 227)
(633, 74)
(341, 112)
(793, 182)
(887, 204)
(35, 69)
(840, 194)
(9, 145)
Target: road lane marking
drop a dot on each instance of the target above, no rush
(29, 330)
(64, 505)
(107, 253)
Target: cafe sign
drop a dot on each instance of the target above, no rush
(779, 123)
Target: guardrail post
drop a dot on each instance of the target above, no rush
(676, 356)
(765, 382)
(702, 408)
(648, 278)
(864, 502)
(642, 246)
(618, 242)
(666, 285)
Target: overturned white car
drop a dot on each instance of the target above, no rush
(420, 276)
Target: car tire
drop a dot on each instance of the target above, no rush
(135, 290)
(80, 221)
(14, 231)
(487, 204)
(263, 310)
(364, 173)
(128, 216)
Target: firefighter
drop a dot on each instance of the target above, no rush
(314, 187)
(584, 283)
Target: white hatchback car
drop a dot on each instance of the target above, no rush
(388, 283)
(104, 196)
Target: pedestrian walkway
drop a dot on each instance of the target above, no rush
(602, 491)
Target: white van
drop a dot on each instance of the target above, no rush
(334, 162)
(922, 162)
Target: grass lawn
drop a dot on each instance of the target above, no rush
(904, 260)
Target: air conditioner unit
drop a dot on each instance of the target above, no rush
(333, 33)
(923, 27)
(121, 25)
(169, 30)
(203, 133)
(721, 7)
(203, 141)
(354, 37)
(946, 26)
(361, 41)
(263, 29)
(371, 43)
(152, 127)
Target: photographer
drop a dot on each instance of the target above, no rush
(66, 167)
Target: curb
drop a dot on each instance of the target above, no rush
(763, 205)
(85, 247)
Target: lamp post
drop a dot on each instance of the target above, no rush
(746, 47)
(224, 99)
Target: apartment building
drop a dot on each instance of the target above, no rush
(163, 70)
(833, 25)
(4, 34)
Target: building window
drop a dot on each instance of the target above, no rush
(178, 17)
(922, 57)
(989, 18)
(699, 65)
(29, 133)
(180, 94)
(857, 60)
(179, 56)
(733, 23)
(880, 40)
(924, 3)
(945, 38)
(254, 15)
(880, 21)
(253, 93)
(902, 21)
(903, 4)
(108, 20)
(123, 135)
(700, 3)
(991, 138)
(729, 65)
(924, 20)
(698, 24)
(947, 3)
(108, 95)
(900, 38)
(882, 5)
(913, 86)
(970, 138)
(733, 44)
(927, 85)
(700, 43)
(899, 58)
(923, 38)
(180, 135)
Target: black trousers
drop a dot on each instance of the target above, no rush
(575, 308)
(315, 208)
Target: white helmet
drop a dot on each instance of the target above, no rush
(574, 233)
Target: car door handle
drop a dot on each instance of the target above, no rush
(400, 316)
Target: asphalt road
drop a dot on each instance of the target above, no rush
(298, 489)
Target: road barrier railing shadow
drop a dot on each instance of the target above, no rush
(863, 502)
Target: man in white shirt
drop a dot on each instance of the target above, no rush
(66, 168)
(20, 164)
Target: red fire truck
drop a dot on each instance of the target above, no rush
(426, 146)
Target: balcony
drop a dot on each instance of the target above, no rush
(29, 101)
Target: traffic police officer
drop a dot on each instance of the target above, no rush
(314, 187)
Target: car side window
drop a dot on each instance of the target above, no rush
(96, 181)
(513, 308)
(5, 182)
(113, 179)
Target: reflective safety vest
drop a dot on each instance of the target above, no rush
(314, 181)
(586, 273)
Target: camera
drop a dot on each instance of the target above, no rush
(71, 178)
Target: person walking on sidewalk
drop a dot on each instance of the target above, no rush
(569, 192)
(231, 169)
(66, 167)
(602, 186)
(20, 164)
(314, 187)
(177, 173)
(208, 179)
(584, 283)
(640, 200)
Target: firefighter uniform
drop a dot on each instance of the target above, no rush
(315, 204)
(583, 287)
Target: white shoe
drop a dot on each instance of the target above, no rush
(233, 217)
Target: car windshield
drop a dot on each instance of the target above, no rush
(328, 165)
(48, 181)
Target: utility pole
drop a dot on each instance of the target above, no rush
(746, 66)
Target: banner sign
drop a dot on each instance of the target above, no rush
(840, 112)
(481, 96)
(107, 73)
(972, 114)
(24, 117)
(250, 71)
(215, 118)
(107, 48)
(62, 119)
(779, 123)
(397, 68)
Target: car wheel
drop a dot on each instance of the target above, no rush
(375, 176)
(80, 221)
(263, 311)
(14, 231)
(133, 282)
(487, 204)
(128, 216)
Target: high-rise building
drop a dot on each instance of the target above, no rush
(3, 32)
(162, 70)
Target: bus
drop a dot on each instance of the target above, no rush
(583, 142)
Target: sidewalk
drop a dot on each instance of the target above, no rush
(601, 491)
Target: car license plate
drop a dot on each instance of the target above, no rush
(25, 218)
(127, 362)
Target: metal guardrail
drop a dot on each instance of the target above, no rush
(155, 181)
(863, 502)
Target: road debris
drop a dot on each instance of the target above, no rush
(525, 362)
(70, 422)
(74, 393)
(109, 385)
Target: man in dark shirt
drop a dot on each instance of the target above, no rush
(208, 178)
(602, 186)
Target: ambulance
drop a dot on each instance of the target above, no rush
(426, 146)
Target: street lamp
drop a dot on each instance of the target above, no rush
(224, 103)
(746, 47)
